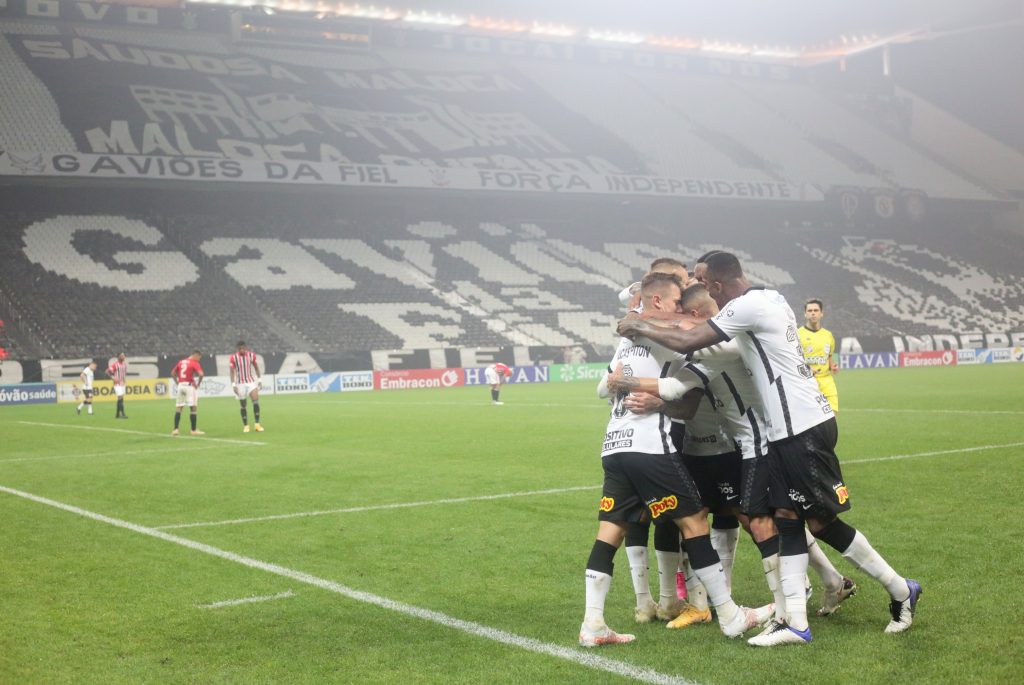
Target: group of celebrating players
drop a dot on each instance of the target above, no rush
(246, 381)
(715, 408)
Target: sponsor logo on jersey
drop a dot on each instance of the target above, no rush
(607, 504)
(842, 492)
(664, 504)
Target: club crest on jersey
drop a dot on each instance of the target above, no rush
(664, 504)
(842, 493)
(607, 504)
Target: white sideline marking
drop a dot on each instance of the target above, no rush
(576, 655)
(377, 507)
(553, 491)
(112, 454)
(844, 462)
(380, 403)
(131, 432)
(247, 600)
(938, 411)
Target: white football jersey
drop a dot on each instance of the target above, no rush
(764, 326)
(737, 402)
(88, 373)
(629, 432)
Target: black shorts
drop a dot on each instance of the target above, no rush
(756, 479)
(806, 476)
(717, 478)
(657, 484)
(87, 393)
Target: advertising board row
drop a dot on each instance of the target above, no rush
(68, 391)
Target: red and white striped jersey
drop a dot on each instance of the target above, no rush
(244, 364)
(117, 371)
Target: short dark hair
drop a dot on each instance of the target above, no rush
(667, 260)
(703, 259)
(690, 295)
(725, 266)
(196, 351)
(816, 301)
(657, 279)
(240, 343)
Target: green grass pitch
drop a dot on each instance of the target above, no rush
(84, 601)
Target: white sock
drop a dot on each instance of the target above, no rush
(90, 408)
(668, 562)
(713, 580)
(861, 554)
(817, 560)
(698, 596)
(598, 584)
(638, 570)
(724, 541)
(80, 406)
(793, 570)
(774, 580)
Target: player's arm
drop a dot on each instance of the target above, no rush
(682, 336)
(831, 358)
(646, 403)
(82, 376)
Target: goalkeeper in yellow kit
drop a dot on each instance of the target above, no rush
(818, 344)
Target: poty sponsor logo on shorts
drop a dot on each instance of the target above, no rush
(842, 492)
(607, 504)
(28, 394)
(664, 504)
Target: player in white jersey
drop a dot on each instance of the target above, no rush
(246, 381)
(642, 474)
(806, 479)
(87, 376)
(733, 409)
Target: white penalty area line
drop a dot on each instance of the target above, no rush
(529, 493)
(113, 454)
(379, 507)
(248, 443)
(971, 412)
(246, 600)
(961, 450)
(575, 655)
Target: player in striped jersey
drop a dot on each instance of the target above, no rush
(118, 372)
(246, 380)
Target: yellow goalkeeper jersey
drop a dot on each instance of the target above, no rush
(818, 347)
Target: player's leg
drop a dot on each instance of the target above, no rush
(755, 479)
(666, 549)
(856, 549)
(496, 393)
(193, 411)
(637, 535)
(88, 401)
(697, 609)
(725, 536)
(243, 408)
(618, 506)
(255, 397)
(837, 588)
(177, 418)
(665, 484)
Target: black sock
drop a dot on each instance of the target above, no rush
(494, 394)
(792, 540)
(666, 538)
(601, 556)
(636, 534)
(838, 534)
(700, 551)
(725, 522)
(245, 414)
(120, 406)
(192, 418)
(177, 420)
(769, 547)
(256, 410)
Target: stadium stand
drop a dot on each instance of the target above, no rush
(344, 271)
